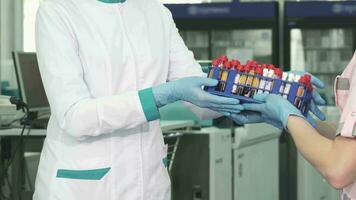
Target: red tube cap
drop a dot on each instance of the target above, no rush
(223, 58)
(227, 65)
(270, 66)
(259, 71)
(278, 72)
(215, 63)
(240, 68)
(235, 63)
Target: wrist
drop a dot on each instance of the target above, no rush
(289, 116)
(149, 107)
(292, 118)
(164, 94)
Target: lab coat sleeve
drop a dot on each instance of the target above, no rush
(76, 111)
(183, 64)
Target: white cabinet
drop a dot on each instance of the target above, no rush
(255, 163)
(311, 185)
(202, 168)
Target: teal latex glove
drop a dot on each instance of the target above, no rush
(190, 89)
(274, 109)
(317, 99)
(251, 117)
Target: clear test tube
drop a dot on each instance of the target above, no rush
(288, 85)
(262, 85)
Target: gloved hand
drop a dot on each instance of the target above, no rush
(190, 89)
(274, 109)
(251, 117)
(317, 99)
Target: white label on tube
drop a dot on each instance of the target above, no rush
(288, 85)
(284, 78)
(269, 83)
(237, 78)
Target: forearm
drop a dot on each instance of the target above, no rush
(314, 147)
(330, 158)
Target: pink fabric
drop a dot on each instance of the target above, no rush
(346, 101)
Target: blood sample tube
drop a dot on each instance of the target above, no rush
(300, 92)
(242, 80)
(269, 83)
(283, 85)
(278, 73)
(262, 85)
(288, 85)
(214, 64)
(223, 59)
(255, 82)
(239, 68)
(310, 89)
(224, 75)
(250, 69)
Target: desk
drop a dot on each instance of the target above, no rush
(34, 141)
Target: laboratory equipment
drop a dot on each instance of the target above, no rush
(255, 162)
(321, 39)
(29, 80)
(31, 89)
(234, 28)
(202, 168)
(6, 108)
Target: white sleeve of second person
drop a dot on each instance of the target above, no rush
(75, 110)
(182, 64)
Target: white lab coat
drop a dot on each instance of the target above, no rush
(94, 58)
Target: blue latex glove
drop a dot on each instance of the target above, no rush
(251, 117)
(317, 99)
(274, 109)
(190, 89)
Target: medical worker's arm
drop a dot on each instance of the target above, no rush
(334, 159)
(182, 64)
(76, 111)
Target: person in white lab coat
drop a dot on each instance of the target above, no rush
(107, 66)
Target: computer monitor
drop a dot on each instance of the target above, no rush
(29, 80)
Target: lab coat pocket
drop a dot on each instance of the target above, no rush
(83, 179)
(92, 174)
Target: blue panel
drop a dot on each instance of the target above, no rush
(321, 9)
(224, 10)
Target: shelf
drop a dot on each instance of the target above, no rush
(328, 48)
(326, 73)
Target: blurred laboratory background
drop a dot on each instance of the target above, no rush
(210, 159)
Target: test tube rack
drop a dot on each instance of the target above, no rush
(305, 99)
